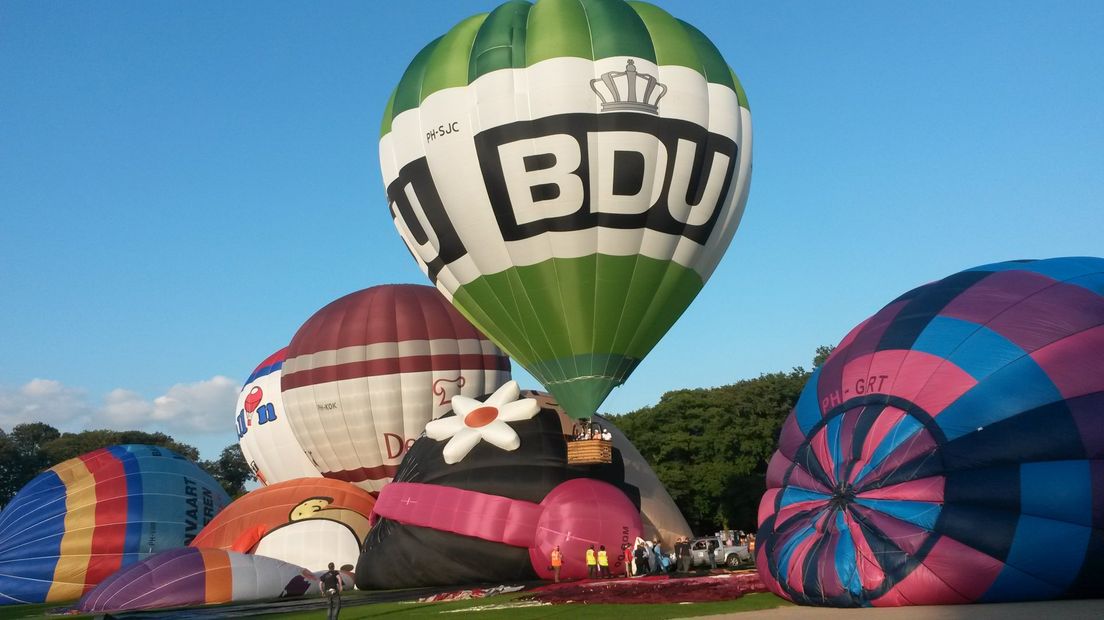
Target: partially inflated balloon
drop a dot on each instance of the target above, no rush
(308, 522)
(365, 374)
(660, 516)
(494, 514)
(569, 173)
(951, 448)
(264, 434)
(83, 519)
(192, 577)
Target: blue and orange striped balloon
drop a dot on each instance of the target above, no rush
(80, 521)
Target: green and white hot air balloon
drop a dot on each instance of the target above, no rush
(568, 173)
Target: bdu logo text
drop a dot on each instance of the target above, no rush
(577, 171)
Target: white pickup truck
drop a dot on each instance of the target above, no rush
(723, 555)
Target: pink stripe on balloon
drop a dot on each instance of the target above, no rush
(847, 434)
(906, 536)
(850, 337)
(830, 584)
(906, 374)
(993, 295)
(943, 386)
(766, 505)
(787, 512)
(920, 587)
(881, 427)
(871, 574)
(803, 479)
(831, 385)
(951, 573)
(922, 490)
(1067, 308)
(795, 573)
(1074, 362)
(490, 517)
(776, 470)
(819, 445)
(791, 437)
(919, 444)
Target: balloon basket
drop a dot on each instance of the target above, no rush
(589, 452)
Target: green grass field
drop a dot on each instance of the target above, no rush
(502, 606)
(511, 606)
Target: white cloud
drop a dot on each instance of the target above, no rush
(203, 407)
(44, 400)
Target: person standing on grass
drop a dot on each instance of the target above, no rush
(331, 589)
(592, 563)
(556, 561)
(603, 563)
(628, 556)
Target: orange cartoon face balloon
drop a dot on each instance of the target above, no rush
(309, 522)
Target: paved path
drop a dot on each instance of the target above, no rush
(1088, 609)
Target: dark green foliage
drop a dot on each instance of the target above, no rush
(22, 456)
(230, 470)
(70, 445)
(32, 448)
(710, 447)
(822, 353)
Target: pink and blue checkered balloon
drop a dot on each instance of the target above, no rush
(951, 449)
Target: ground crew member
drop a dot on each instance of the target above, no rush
(557, 562)
(603, 562)
(592, 563)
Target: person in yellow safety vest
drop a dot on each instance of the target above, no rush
(557, 562)
(592, 563)
(603, 562)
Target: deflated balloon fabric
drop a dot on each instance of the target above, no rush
(191, 577)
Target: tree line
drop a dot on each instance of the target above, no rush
(710, 446)
(31, 448)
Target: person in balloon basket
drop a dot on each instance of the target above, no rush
(592, 563)
(331, 589)
(555, 562)
(603, 563)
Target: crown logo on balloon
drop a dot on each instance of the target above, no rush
(628, 90)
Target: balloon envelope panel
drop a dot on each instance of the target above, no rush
(308, 522)
(367, 372)
(83, 519)
(569, 174)
(189, 577)
(267, 441)
(949, 450)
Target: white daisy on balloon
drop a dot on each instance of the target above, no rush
(482, 421)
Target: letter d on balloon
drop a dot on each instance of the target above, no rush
(399, 448)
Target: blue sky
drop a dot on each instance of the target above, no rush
(182, 184)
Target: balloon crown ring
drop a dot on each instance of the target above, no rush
(628, 90)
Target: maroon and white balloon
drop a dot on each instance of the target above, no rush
(366, 373)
